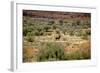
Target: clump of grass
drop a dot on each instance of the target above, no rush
(51, 52)
(79, 55)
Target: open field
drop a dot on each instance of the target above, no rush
(56, 36)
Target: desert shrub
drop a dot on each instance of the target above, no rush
(78, 22)
(30, 34)
(88, 32)
(84, 37)
(54, 26)
(51, 52)
(37, 33)
(30, 39)
(71, 33)
(60, 22)
(51, 22)
(25, 31)
(46, 28)
(86, 24)
(30, 28)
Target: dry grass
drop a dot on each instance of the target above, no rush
(78, 51)
(29, 54)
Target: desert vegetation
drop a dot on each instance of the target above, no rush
(56, 36)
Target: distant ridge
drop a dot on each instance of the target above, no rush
(55, 14)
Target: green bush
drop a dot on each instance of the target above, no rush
(30, 38)
(51, 52)
(46, 28)
(78, 22)
(51, 22)
(71, 33)
(25, 31)
(61, 22)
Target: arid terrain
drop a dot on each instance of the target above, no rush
(56, 36)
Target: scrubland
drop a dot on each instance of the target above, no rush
(56, 36)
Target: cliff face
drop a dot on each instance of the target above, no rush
(55, 14)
